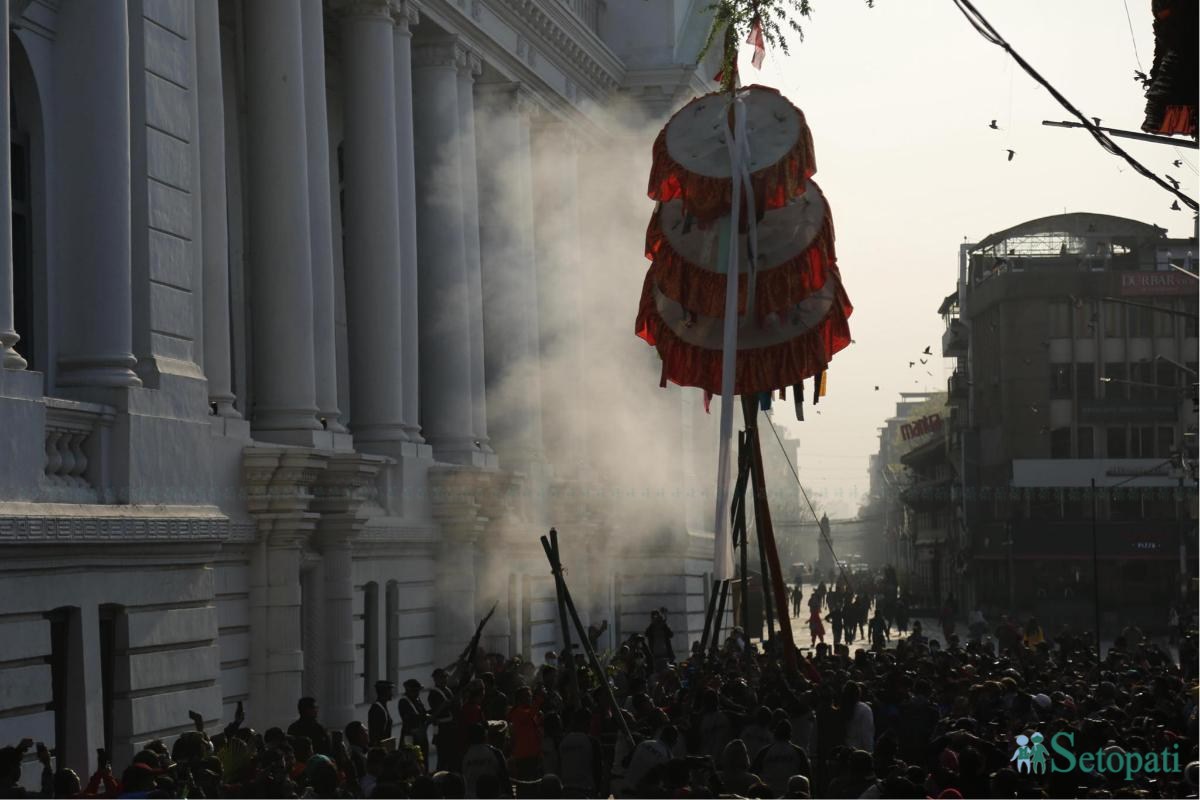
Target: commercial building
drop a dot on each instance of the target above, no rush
(1075, 345)
(308, 331)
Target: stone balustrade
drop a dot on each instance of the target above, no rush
(76, 449)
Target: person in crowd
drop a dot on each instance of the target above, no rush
(780, 760)
(658, 637)
(735, 775)
(414, 717)
(1033, 633)
(308, 727)
(443, 707)
(379, 719)
(905, 720)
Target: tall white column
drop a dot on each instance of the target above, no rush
(405, 17)
(280, 248)
(443, 285)
(9, 358)
(320, 214)
(560, 293)
(374, 278)
(337, 654)
(470, 67)
(91, 113)
(509, 273)
(214, 228)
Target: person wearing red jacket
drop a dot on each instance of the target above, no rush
(526, 722)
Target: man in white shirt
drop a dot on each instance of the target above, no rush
(781, 759)
(646, 756)
(482, 759)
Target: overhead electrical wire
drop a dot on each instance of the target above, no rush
(804, 494)
(988, 32)
(1132, 38)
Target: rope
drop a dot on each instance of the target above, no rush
(1132, 39)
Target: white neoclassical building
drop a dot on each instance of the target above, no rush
(314, 315)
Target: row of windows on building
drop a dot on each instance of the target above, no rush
(1113, 504)
(1140, 380)
(1117, 441)
(1161, 317)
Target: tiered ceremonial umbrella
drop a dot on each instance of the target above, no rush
(732, 175)
(790, 300)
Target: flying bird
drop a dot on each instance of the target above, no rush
(1140, 76)
(877, 388)
(1177, 163)
(912, 364)
(1097, 121)
(1011, 153)
(1172, 181)
(930, 374)
(927, 351)
(1175, 205)
(994, 126)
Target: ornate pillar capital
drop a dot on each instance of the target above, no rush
(405, 15)
(470, 65)
(378, 9)
(441, 52)
(514, 96)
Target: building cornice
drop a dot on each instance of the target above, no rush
(589, 69)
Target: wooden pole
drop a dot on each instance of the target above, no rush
(768, 601)
(739, 500)
(708, 615)
(560, 591)
(601, 675)
(715, 644)
(762, 517)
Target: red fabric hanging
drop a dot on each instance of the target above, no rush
(703, 291)
(760, 369)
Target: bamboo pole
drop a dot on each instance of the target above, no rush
(762, 517)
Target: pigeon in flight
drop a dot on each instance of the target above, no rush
(1175, 205)
(912, 364)
(994, 126)
(930, 374)
(1097, 121)
(877, 388)
(924, 361)
(1011, 153)
(1177, 163)
(927, 351)
(1172, 181)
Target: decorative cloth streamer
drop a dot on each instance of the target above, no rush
(722, 544)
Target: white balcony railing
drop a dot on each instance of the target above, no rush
(76, 450)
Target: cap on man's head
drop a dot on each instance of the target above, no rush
(413, 684)
(379, 685)
(306, 702)
(439, 673)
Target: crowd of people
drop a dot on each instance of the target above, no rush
(912, 716)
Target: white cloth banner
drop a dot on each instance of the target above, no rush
(738, 150)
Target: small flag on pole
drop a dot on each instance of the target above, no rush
(757, 39)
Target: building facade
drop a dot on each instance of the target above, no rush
(1073, 421)
(309, 331)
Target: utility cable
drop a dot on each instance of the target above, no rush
(1132, 38)
(824, 535)
(985, 29)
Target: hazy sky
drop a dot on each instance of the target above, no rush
(899, 98)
